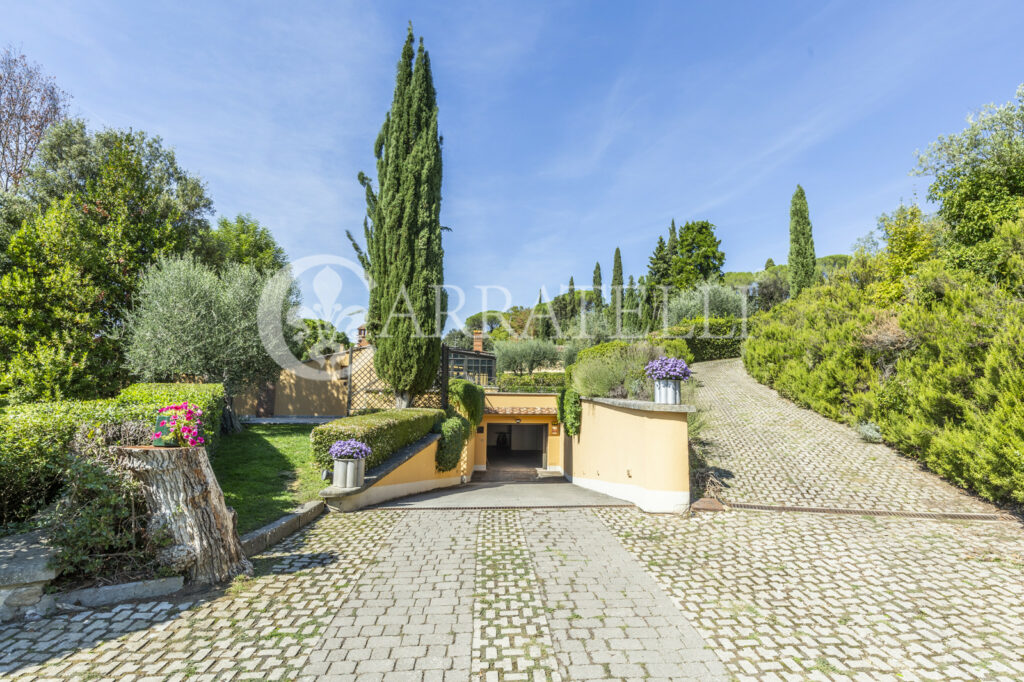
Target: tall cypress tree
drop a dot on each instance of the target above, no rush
(597, 295)
(617, 293)
(631, 304)
(544, 328)
(574, 307)
(404, 258)
(802, 266)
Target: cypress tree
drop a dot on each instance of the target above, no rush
(802, 266)
(597, 295)
(574, 308)
(404, 257)
(545, 329)
(770, 263)
(659, 268)
(617, 293)
(631, 303)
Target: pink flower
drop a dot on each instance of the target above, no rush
(163, 422)
(201, 441)
(158, 434)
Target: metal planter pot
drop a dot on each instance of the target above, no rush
(349, 473)
(667, 391)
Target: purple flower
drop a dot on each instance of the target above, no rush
(349, 449)
(668, 368)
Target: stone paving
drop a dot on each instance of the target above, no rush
(767, 450)
(395, 595)
(796, 596)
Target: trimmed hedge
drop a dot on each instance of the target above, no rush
(455, 431)
(209, 398)
(712, 338)
(538, 382)
(385, 432)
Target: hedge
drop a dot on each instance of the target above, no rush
(209, 398)
(35, 438)
(385, 432)
(538, 382)
(455, 431)
(712, 338)
(468, 398)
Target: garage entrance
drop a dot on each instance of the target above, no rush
(516, 451)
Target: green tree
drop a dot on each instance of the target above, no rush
(697, 257)
(75, 265)
(979, 172)
(802, 265)
(543, 328)
(770, 263)
(659, 265)
(597, 290)
(243, 240)
(316, 338)
(574, 303)
(404, 257)
(617, 292)
(194, 321)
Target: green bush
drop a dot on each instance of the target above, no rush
(523, 357)
(712, 338)
(570, 411)
(385, 432)
(939, 371)
(539, 382)
(455, 431)
(35, 448)
(467, 398)
(100, 524)
(209, 398)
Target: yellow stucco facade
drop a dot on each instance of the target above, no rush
(634, 451)
(521, 408)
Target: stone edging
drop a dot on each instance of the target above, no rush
(641, 405)
(258, 540)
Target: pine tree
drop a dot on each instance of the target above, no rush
(770, 263)
(404, 257)
(597, 295)
(659, 264)
(802, 266)
(698, 256)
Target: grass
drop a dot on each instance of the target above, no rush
(266, 471)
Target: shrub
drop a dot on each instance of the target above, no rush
(676, 348)
(712, 338)
(614, 370)
(938, 374)
(455, 431)
(208, 397)
(467, 398)
(541, 382)
(385, 432)
(524, 356)
(100, 525)
(35, 448)
(710, 298)
(570, 411)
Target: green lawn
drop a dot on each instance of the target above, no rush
(266, 471)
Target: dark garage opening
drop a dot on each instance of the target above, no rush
(516, 446)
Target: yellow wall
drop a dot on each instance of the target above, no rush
(635, 454)
(296, 396)
(496, 400)
(418, 474)
(522, 400)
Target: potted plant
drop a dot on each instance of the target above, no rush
(349, 462)
(177, 426)
(667, 374)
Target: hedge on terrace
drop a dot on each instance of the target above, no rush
(385, 432)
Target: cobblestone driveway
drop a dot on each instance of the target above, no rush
(396, 595)
(766, 450)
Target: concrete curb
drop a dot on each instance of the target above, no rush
(258, 540)
(113, 594)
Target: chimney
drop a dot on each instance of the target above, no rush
(478, 340)
(362, 336)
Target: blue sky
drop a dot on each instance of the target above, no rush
(569, 128)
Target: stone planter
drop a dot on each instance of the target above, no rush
(667, 392)
(349, 473)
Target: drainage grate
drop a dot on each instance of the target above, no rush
(964, 516)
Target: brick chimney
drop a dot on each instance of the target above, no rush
(478, 340)
(362, 336)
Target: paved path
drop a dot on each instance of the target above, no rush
(506, 495)
(766, 450)
(396, 595)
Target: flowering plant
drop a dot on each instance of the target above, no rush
(668, 368)
(349, 449)
(178, 425)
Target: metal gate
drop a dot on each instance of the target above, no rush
(367, 392)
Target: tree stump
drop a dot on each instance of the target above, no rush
(186, 501)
